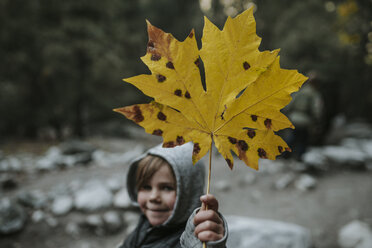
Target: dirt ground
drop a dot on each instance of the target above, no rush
(340, 196)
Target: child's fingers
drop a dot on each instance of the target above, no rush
(209, 236)
(208, 215)
(210, 201)
(209, 226)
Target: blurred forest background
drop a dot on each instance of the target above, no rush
(62, 61)
(62, 65)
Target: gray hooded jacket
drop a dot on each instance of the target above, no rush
(190, 186)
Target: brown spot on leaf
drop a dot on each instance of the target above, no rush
(196, 149)
(170, 65)
(280, 149)
(287, 149)
(197, 62)
(160, 78)
(155, 57)
(138, 117)
(178, 92)
(232, 140)
(246, 65)
(180, 140)
(169, 144)
(268, 123)
(251, 133)
(262, 153)
(159, 41)
(162, 116)
(187, 95)
(158, 132)
(254, 117)
(242, 145)
(150, 45)
(230, 164)
(191, 34)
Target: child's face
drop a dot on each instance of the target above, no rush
(156, 198)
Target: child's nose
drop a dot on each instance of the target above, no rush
(155, 194)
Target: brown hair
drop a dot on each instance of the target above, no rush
(147, 168)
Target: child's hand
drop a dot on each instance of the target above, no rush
(208, 224)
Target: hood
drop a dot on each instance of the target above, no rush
(190, 180)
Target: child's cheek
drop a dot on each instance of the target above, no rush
(172, 200)
(141, 199)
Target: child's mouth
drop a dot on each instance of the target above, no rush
(158, 210)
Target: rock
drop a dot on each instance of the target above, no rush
(106, 159)
(305, 182)
(50, 160)
(94, 220)
(93, 196)
(76, 159)
(270, 166)
(68, 155)
(315, 158)
(112, 221)
(62, 205)
(37, 216)
(355, 234)
(122, 200)
(284, 181)
(363, 145)
(45, 164)
(366, 146)
(10, 164)
(100, 158)
(12, 217)
(33, 199)
(248, 232)
(94, 223)
(114, 183)
(73, 229)
(15, 164)
(344, 155)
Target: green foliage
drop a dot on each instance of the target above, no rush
(63, 60)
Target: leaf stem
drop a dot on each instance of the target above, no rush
(209, 178)
(210, 167)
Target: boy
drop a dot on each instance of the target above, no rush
(166, 186)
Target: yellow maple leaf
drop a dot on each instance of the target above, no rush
(240, 108)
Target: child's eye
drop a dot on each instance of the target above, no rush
(168, 188)
(146, 187)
